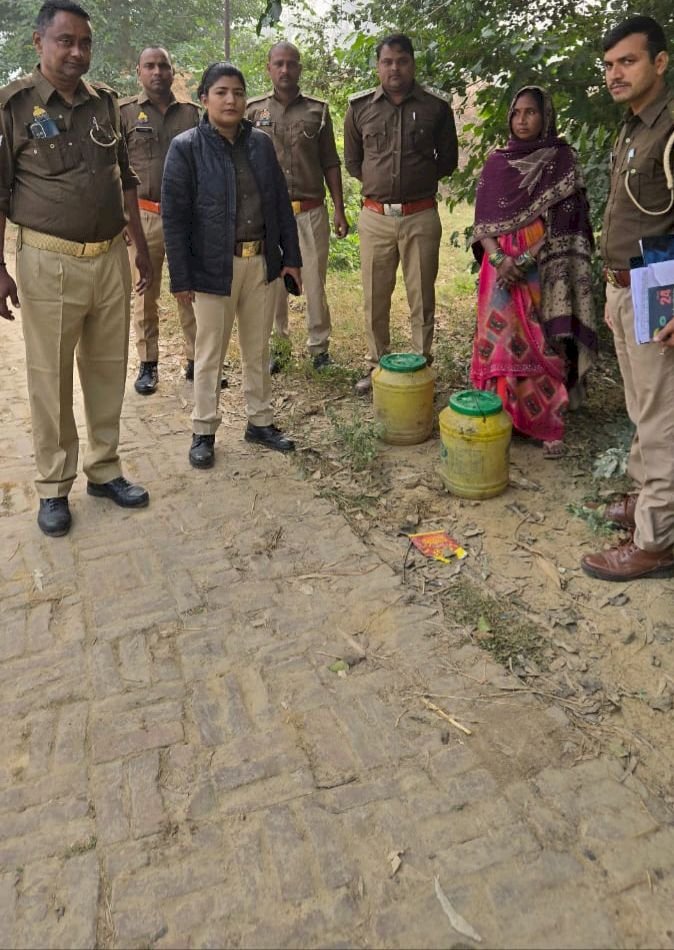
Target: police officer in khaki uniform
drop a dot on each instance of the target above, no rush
(399, 139)
(640, 205)
(65, 180)
(150, 120)
(301, 129)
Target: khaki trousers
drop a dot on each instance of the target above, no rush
(313, 228)
(74, 305)
(249, 302)
(648, 377)
(414, 241)
(145, 309)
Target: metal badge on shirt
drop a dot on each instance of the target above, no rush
(263, 119)
(142, 123)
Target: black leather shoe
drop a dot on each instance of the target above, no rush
(321, 360)
(202, 451)
(121, 491)
(53, 518)
(189, 375)
(148, 378)
(270, 436)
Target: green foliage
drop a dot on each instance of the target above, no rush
(192, 30)
(482, 52)
(359, 439)
(344, 252)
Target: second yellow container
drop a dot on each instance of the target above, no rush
(402, 394)
(475, 444)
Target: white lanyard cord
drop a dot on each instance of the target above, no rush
(668, 176)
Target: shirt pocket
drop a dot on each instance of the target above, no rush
(374, 137)
(56, 155)
(647, 184)
(309, 128)
(104, 142)
(141, 146)
(421, 138)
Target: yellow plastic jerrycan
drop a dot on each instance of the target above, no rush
(474, 445)
(402, 394)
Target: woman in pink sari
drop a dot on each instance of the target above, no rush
(535, 338)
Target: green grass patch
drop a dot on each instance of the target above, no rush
(499, 627)
(359, 438)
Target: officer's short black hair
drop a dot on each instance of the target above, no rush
(283, 44)
(48, 11)
(214, 72)
(154, 46)
(656, 41)
(400, 40)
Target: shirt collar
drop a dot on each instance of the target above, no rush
(297, 98)
(651, 113)
(414, 93)
(143, 98)
(45, 90)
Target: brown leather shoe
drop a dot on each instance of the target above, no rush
(619, 512)
(627, 562)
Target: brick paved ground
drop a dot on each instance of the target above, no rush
(180, 768)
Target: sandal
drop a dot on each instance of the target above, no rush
(554, 450)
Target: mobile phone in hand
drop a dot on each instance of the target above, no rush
(291, 285)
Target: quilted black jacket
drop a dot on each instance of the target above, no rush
(198, 208)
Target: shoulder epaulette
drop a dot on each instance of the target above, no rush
(265, 95)
(437, 93)
(103, 87)
(361, 95)
(313, 98)
(8, 92)
(128, 100)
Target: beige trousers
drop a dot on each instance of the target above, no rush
(385, 241)
(249, 302)
(145, 309)
(74, 305)
(648, 377)
(313, 228)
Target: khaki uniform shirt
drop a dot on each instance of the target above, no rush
(399, 152)
(148, 134)
(303, 138)
(638, 154)
(68, 184)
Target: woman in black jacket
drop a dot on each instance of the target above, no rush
(230, 231)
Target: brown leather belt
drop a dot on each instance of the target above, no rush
(617, 278)
(152, 206)
(399, 210)
(306, 204)
(248, 248)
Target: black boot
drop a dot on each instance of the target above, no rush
(148, 378)
(189, 374)
(202, 451)
(53, 518)
(270, 436)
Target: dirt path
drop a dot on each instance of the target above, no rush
(181, 767)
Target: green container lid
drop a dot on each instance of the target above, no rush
(476, 402)
(403, 362)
